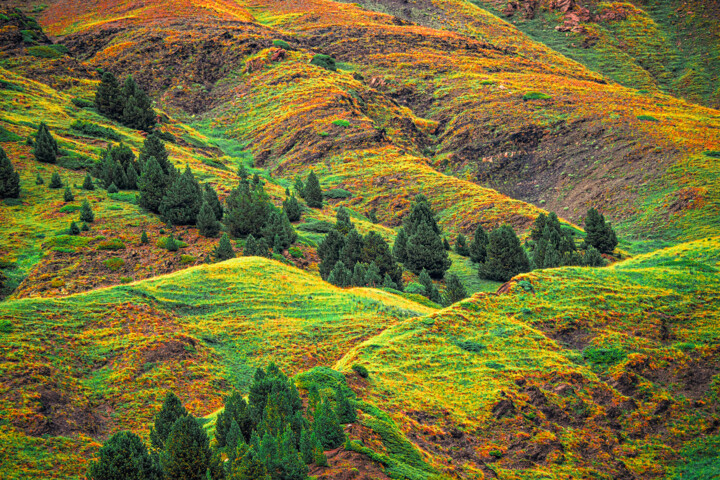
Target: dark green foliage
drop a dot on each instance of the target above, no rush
(299, 187)
(68, 195)
(55, 181)
(454, 290)
(327, 426)
(46, 148)
(313, 192)
(431, 291)
(358, 275)
(604, 356)
(329, 252)
(236, 412)
(224, 250)
(400, 246)
(340, 275)
(211, 197)
(278, 245)
(44, 51)
(256, 180)
(279, 226)
(154, 147)
(319, 226)
(112, 188)
(324, 61)
(171, 410)
(187, 452)
(171, 245)
(108, 98)
(9, 178)
(446, 244)
(248, 465)
(182, 201)
(123, 456)
(281, 44)
(505, 256)
(337, 193)
(599, 234)
(250, 246)
(478, 247)
(82, 103)
(88, 183)
(593, 258)
(152, 185)
(144, 238)
(84, 227)
(307, 445)
(95, 130)
(420, 213)
(74, 229)
(248, 210)
(361, 370)
(207, 224)
(86, 212)
(461, 247)
(388, 282)
(131, 182)
(343, 224)
(425, 252)
(344, 410)
(372, 276)
(553, 246)
(137, 107)
(291, 207)
(39, 180)
(372, 216)
(352, 251)
(376, 249)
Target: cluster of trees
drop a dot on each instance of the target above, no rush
(553, 246)
(348, 258)
(129, 104)
(270, 436)
(310, 191)
(9, 178)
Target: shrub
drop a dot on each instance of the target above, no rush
(8, 136)
(114, 263)
(187, 259)
(361, 370)
(536, 96)
(320, 226)
(112, 188)
(337, 193)
(6, 326)
(80, 103)
(296, 252)
(415, 287)
(647, 118)
(55, 181)
(470, 346)
(712, 153)
(95, 130)
(495, 453)
(167, 244)
(341, 123)
(603, 356)
(5, 85)
(281, 44)
(324, 61)
(44, 51)
(113, 244)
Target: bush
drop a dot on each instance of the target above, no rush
(712, 153)
(163, 243)
(5, 85)
(75, 162)
(337, 193)
(8, 136)
(44, 51)
(95, 130)
(6, 326)
(470, 346)
(361, 370)
(114, 263)
(341, 123)
(603, 356)
(536, 96)
(415, 287)
(113, 244)
(281, 44)
(324, 61)
(320, 226)
(296, 252)
(187, 259)
(80, 103)
(647, 118)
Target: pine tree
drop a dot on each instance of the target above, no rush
(344, 410)
(250, 247)
(151, 185)
(263, 249)
(307, 444)
(291, 207)
(211, 197)
(538, 227)
(352, 251)
(68, 195)
(372, 216)
(478, 247)
(108, 98)
(446, 244)
(182, 201)
(46, 148)
(9, 178)
(340, 275)
(372, 276)
(388, 282)
(278, 225)
(88, 183)
(454, 289)
(313, 192)
(123, 456)
(461, 247)
(224, 250)
(400, 246)
(592, 258)
(131, 178)
(539, 251)
(39, 180)
(84, 227)
(187, 451)
(343, 224)
(327, 426)
(278, 245)
(55, 181)
(431, 291)
(242, 174)
(137, 108)
(425, 251)
(552, 257)
(505, 256)
(376, 249)
(144, 238)
(153, 146)
(248, 465)
(358, 275)
(248, 211)
(329, 252)
(299, 187)
(420, 212)
(207, 224)
(598, 233)
(112, 188)
(86, 213)
(172, 410)
(74, 229)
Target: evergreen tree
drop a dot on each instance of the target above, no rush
(340, 275)
(400, 246)
(172, 410)
(248, 211)
(505, 256)
(46, 148)
(151, 185)
(461, 247)
(446, 244)
(112, 188)
(420, 212)
(358, 275)
(538, 227)
(248, 465)
(278, 245)
(344, 410)
(552, 257)
(352, 251)
(478, 246)
(327, 426)
(131, 177)
(181, 203)
(291, 207)
(187, 452)
(299, 187)
(88, 183)
(224, 250)
(108, 97)
(425, 251)
(84, 227)
(68, 195)
(55, 181)
(307, 446)
(431, 291)
(154, 147)
(123, 456)
(207, 223)
(39, 180)
(9, 178)
(242, 174)
(388, 282)
(137, 108)
(144, 238)
(313, 192)
(372, 216)
(250, 247)
(454, 289)
(598, 233)
(278, 225)
(593, 258)
(74, 229)
(86, 213)
(376, 249)
(235, 411)
(211, 197)
(263, 249)
(539, 252)
(343, 224)
(372, 276)
(329, 252)
(256, 180)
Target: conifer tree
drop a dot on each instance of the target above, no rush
(329, 252)
(112, 188)
(454, 289)
(372, 216)
(400, 246)
(187, 452)
(420, 212)
(248, 211)
(154, 147)
(593, 258)
(55, 181)
(248, 465)
(172, 410)
(211, 197)
(263, 249)
(327, 426)
(84, 227)
(278, 245)
(74, 229)
(307, 445)
(425, 251)
(340, 275)
(552, 257)
(478, 247)
(137, 107)
(431, 291)
(372, 276)
(388, 282)
(224, 250)
(88, 183)
(358, 275)
(538, 227)
(151, 186)
(46, 148)
(144, 238)
(39, 180)
(376, 249)
(446, 244)
(344, 410)
(131, 178)
(277, 224)
(123, 456)
(68, 195)
(207, 224)
(343, 224)
(250, 247)
(108, 97)
(352, 251)
(291, 207)
(242, 174)
(461, 247)
(598, 233)
(9, 178)
(299, 187)
(313, 192)
(86, 213)
(505, 256)
(182, 201)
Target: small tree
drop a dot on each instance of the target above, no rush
(88, 183)
(207, 223)
(108, 98)
(172, 410)
(112, 188)
(358, 275)
(291, 207)
(313, 192)
(372, 276)
(224, 250)
(250, 247)
(187, 452)
(9, 178)
(152, 185)
(211, 197)
(454, 289)
(124, 456)
(46, 148)
(182, 201)
(55, 181)
(68, 195)
(327, 426)
(400, 246)
(340, 275)
(74, 229)
(39, 180)
(425, 252)
(599, 234)
(446, 244)
(431, 290)
(86, 212)
(144, 238)
(505, 256)
(478, 247)
(389, 283)
(344, 410)
(372, 216)
(593, 258)
(461, 247)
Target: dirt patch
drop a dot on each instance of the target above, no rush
(60, 415)
(346, 465)
(174, 350)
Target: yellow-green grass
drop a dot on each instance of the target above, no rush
(547, 331)
(113, 353)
